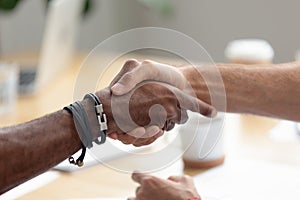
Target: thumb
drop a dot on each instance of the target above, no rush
(128, 66)
(138, 176)
(149, 70)
(130, 79)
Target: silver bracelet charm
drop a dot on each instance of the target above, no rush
(100, 116)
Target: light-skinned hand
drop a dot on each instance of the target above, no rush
(175, 187)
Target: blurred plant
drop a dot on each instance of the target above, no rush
(162, 6)
(9, 5)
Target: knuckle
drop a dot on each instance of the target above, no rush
(150, 66)
(186, 178)
(130, 64)
(147, 181)
(147, 62)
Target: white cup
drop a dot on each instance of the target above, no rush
(202, 141)
(8, 87)
(249, 51)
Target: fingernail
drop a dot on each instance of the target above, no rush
(118, 89)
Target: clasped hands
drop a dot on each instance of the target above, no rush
(144, 100)
(147, 98)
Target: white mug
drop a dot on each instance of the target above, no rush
(201, 140)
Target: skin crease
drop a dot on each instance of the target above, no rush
(270, 90)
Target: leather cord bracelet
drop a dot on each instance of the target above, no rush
(83, 125)
(101, 117)
(79, 160)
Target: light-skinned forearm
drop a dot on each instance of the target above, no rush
(268, 90)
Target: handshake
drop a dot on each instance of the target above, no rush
(147, 98)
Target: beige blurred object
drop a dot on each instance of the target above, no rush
(8, 87)
(250, 51)
(202, 141)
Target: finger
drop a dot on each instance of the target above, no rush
(113, 136)
(138, 176)
(130, 139)
(149, 70)
(127, 67)
(152, 131)
(137, 132)
(184, 178)
(140, 136)
(141, 132)
(147, 141)
(175, 178)
(126, 139)
(144, 142)
(191, 103)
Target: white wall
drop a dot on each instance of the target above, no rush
(211, 22)
(22, 28)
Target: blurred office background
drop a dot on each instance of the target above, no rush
(212, 23)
